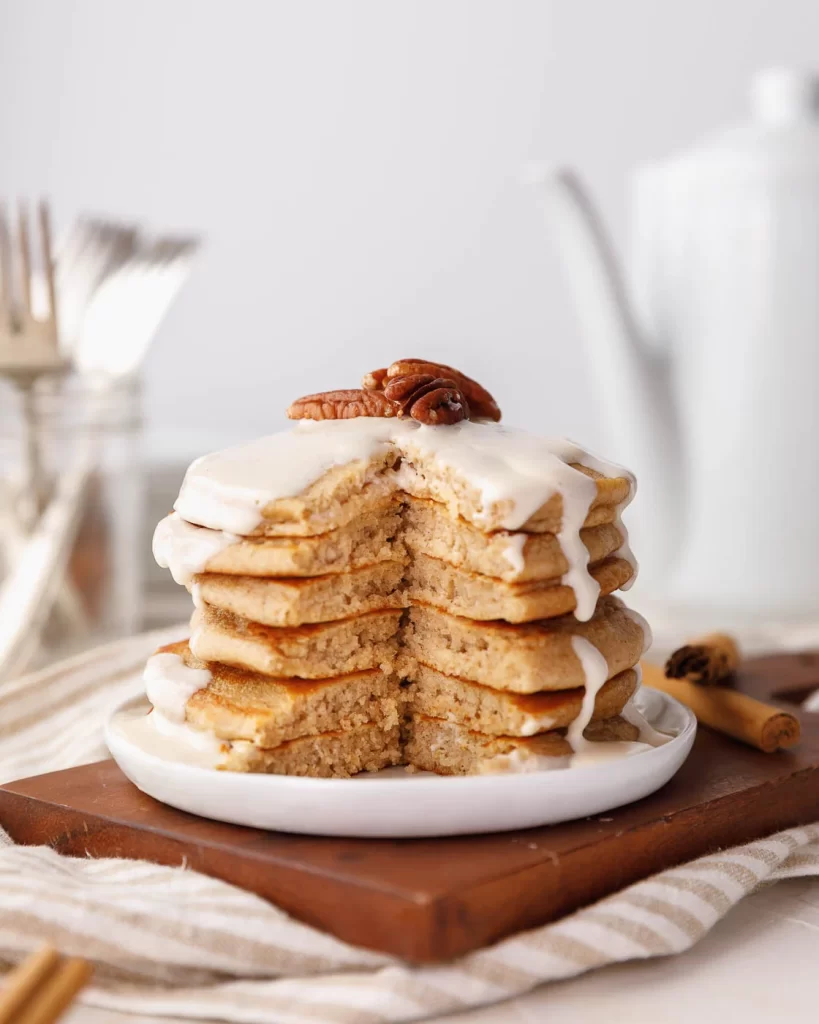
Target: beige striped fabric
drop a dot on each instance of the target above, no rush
(173, 945)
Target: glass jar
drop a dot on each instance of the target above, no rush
(93, 430)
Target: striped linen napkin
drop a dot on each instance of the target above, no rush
(172, 944)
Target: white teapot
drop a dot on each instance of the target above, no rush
(707, 359)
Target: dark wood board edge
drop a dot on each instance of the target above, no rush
(487, 912)
(371, 918)
(438, 928)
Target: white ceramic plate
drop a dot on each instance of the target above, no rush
(396, 803)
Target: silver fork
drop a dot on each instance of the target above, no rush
(28, 342)
(129, 306)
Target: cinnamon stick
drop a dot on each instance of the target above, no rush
(709, 660)
(730, 712)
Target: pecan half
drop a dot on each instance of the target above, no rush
(342, 405)
(375, 381)
(407, 390)
(440, 407)
(481, 403)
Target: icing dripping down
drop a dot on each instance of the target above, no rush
(511, 473)
(170, 683)
(513, 552)
(648, 734)
(518, 761)
(588, 753)
(181, 735)
(186, 549)
(229, 490)
(595, 672)
(534, 724)
(577, 501)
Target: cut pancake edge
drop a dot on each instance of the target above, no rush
(382, 533)
(524, 658)
(494, 477)
(303, 600)
(233, 706)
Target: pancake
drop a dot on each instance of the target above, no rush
(366, 748)
(311, 652)
(518, 658)
(482, 709)
(427, 527)
(294, 601)
(485, 598)
(449, 749)
(423, 476)
(377, 590)
(372, 537)
(321, 476)
(237, 705)
(526, 657)
(381, 533)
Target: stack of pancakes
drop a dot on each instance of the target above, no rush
(384, 616)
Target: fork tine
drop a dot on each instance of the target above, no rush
(6, 285)
(25, 256)
(48, 263)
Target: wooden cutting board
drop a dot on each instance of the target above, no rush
(428, 900)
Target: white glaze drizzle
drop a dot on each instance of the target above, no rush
(228, 490)
(513, 552)
(509, 468)
(648, 734)
(602, 753)
(590, 752)
(595, 673)
(173, 742)
(186, 549)
(534, 724)
(170, 683)
(178, 734)
(518, 761)
(632, 714)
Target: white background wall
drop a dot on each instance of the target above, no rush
(355, 167)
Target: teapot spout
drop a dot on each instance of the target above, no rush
(632, 384)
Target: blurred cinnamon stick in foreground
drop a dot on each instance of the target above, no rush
(730, 712)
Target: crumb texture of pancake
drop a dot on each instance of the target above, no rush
(499, 712)
(239, 705)
(524, 657)
(423, 476)
(474, 596)
(294, 601)
(373, 536)
(338, 754)
(314, 651)
(447, 748)
(428, 529)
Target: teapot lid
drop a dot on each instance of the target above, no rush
(781, 135)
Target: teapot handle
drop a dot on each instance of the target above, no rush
(647, 263)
